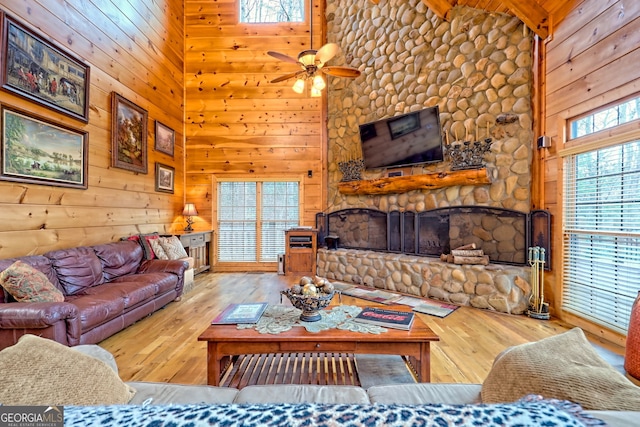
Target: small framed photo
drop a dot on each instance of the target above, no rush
(129, 135)
(164, 178)
(35, 69)
(165, 139)
(38, 151)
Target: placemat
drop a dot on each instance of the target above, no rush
(279, 318)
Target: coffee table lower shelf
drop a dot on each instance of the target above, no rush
(293, 368)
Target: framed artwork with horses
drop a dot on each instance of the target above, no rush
(41, 72)
(38, 151)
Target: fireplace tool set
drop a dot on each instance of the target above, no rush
(538, 309)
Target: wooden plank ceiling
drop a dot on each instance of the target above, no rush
(538, 15)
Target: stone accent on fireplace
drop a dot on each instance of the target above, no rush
(502, 288)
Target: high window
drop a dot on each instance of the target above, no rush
(252, 218)
(271, 11)
(605, 118)
(601, 224)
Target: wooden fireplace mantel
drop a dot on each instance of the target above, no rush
(402, 184)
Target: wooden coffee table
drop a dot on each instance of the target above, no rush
(225, 341)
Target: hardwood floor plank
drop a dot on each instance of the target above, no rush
(164, 347)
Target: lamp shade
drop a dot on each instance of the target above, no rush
(189, 210)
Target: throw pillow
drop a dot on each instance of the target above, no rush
(146, 246)
(158, 249)
(564, 367)
(39, 371)
(173, 248)
(27, 284)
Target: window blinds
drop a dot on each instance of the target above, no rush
(601, 233)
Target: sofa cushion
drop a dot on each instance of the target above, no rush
(562, 367)
(119, 258)
(98, 307)
(175, 394)
(162, 282)
(416, 394)
(173, 247)
(132, 291)
(297, 393)
(26, 284)
(77, 268)
(39, 371)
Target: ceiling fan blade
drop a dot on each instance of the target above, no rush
(338, 71)
(326, 52)
(283, 57)
(287, 76)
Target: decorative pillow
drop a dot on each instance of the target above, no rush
(27, 284)
(158, 249)
(564, 367)
(173, 248)
(146, 246)
(39, 371)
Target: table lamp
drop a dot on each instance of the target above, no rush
(189, 211)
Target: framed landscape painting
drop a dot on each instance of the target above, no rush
(164, 178)
(165, 138)
(37, 151)
(129, 135)
(41, 72)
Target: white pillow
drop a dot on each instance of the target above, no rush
(173, 247)
(158, 249)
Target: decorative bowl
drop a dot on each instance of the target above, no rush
(310, 305)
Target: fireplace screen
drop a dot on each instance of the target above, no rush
(503, 234)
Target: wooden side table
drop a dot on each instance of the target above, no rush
(301, 245)
(198, 245)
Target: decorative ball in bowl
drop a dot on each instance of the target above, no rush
(310, 296)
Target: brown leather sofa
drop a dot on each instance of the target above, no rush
(107, 288)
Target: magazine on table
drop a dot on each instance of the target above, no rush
(386, 318)
(241, 313)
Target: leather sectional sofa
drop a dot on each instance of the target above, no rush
(106, 288)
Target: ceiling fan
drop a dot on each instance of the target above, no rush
(312, 63)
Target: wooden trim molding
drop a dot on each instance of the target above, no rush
(402, 184)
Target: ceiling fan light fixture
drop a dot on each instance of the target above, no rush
(307, 57)
(298, 86)
(318, 82)
(315, 93)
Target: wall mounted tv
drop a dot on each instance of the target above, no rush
(404, 140)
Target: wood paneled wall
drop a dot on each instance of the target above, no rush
(238, 124)
(135, 48)
(590, 61)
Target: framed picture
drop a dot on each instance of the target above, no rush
(34, 68)
(164, 178)
(37, 151)
(404, 124)
(165, 138)
(129, 135)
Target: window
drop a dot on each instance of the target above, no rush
(271, 11)
(605, 119)
(601, 233)
(252, 219)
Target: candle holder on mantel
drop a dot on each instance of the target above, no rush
(467, 154)
(351, 170)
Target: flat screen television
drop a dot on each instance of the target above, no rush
(404, 140)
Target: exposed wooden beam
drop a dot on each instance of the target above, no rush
(532, 14)
(439, 7)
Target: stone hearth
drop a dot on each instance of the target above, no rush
(502, 288)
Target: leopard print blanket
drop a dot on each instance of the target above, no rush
(526, 412)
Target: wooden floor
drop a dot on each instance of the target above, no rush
(164, 347)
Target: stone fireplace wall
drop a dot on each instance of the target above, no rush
(476, 67)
